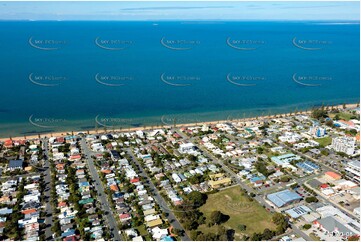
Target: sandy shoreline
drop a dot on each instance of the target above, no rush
(101, 130)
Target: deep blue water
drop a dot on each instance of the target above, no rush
(196, 61)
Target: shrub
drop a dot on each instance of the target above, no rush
(307, 226)
(242, 227)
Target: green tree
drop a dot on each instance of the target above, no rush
(267, 234)
(242, 227)
(196, 179)
(256, 237)
(311, 199)
(318, 113)
(307, 226)
(259, 150)
(217, 217)
(281, 221)
(285, 179)
(190, 225)
(197, 198)
(325, 152)
(329, 123)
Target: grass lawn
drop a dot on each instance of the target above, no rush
(142, 230)
(314, 237)
(345, 116)
(241, 211)
(324, 141)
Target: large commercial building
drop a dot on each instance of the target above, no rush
(284, 160)
(283, 198)
(353, 170)
(334, 221)
(298, 211)
(344, 144)
(333, 225)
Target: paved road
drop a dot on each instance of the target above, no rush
(259, 198)
(162, 203)
(112, 223)
(300, 233)
(325, 168)
(235, 177)
(47, 179)
(322, 165)
(23, 175)
(215, 160)
(281, 186)
(324, 200)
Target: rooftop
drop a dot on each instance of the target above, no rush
(15, 163)
(283, 197)
(298, 211)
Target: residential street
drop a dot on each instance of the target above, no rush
(301, 233)
(162, 203)
(110, 216)
(47, 179)
(325, 168)
(234, 176)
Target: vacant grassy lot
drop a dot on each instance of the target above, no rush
(324, 141)
(345, 116)
(241, 211)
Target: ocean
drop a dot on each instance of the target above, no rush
(64, 75)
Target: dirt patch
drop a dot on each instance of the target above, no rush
(240, 207)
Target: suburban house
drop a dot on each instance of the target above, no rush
(15, 164)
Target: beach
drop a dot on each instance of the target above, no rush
(66, 89)
(102, 130)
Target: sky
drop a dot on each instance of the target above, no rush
(201, 10)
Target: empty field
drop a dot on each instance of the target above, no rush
(241, 211)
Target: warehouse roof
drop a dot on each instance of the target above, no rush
(283, 197)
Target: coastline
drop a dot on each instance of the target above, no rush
(101, 129)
